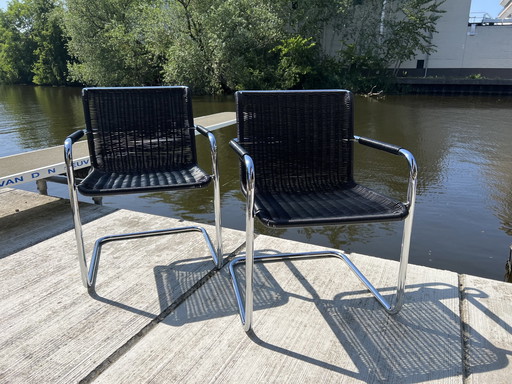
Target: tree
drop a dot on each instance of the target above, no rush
(382, 34)
(109, 41)
(212, 45)
(224, 45)
(410, 30)
(296, 61)
(16, 43)
(51, 55)
(32, 44)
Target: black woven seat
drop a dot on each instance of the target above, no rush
(141, 139)
(296, 150)
(113, 183)
(356, 204)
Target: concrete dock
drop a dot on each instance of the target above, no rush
(161, 313)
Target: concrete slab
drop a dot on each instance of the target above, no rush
(52, 331)
(487, 326)
(313, 323)
(27, 218)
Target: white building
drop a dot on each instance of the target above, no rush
(481, 47)
(507, 9)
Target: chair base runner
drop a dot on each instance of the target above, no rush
(89, 276)
(246, 317)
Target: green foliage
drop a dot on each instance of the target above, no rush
(409, 30)
(297, 57)
(109, 42)
(244, 33)
(213, 46)
(51, 56)
(16, 43)
(224, 45)
(33, 47)
(360, 72)
(390, 32)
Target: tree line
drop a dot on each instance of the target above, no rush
(214, 46)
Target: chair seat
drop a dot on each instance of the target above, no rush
(345, 205)
(112, 183)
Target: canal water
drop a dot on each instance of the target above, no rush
(463, 146)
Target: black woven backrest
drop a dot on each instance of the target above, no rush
(138, 129)
(298, 140)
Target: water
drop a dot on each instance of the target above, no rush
(463, 146)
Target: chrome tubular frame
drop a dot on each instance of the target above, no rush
(246, 310)
(73, 199)
(407, 231)
(216, 198)
(89, 273)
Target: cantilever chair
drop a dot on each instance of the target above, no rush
(296, 161)
(141, 139)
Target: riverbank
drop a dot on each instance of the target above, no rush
(167, 316)
(453, 86)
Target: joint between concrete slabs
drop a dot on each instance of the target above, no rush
(464, 332)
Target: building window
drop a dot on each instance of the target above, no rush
(420, 64)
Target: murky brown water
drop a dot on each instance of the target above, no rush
(463, 146)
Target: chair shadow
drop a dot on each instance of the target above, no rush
(174, 283)
(421, 343)
(218, 299)
(178, 284)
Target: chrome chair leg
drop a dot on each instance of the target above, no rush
(73, 198)
(407, 231)
(216, 199)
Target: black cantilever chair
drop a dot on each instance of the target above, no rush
(296, 157)
(141, 139)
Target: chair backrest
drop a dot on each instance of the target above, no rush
(298, 140)
(139, 128)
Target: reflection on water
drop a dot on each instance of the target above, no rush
(463, 146)
(37, 117)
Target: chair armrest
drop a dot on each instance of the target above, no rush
(247, 165)
(213, 149)
(240, 151)
(394, 149)
(68, 147)
(75, 136)
(413, 176)
(68, 160)
(211, 137)
(202, 130)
